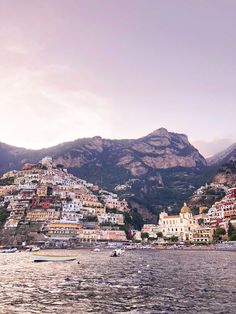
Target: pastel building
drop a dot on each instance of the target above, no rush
(184, 226)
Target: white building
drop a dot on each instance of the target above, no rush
(71, 206)
(114, 219)
(184, 226)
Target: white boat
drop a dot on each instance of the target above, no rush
(13, 250)
(33, 249)
(116, 253)
(54, 258)
(96, 249)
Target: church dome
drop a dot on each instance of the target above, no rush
(185, 209)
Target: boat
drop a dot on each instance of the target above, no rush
(116, 253)
(32, 249)
(12, 250)
(54, 258)
(96, 249)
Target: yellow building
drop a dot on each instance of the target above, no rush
(43, 215)
(63, 230)
(100, 210)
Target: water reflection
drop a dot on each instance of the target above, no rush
(137, 282)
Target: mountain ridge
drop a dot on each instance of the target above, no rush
(222, 156)
(156, 171)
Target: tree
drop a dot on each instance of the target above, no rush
(231, 229)
(127, 218)
(7, 181)
(144, 235)
(233, 237)
(159, 234)
(220, 231)
(174, 239)
(137, 219)
(3, 216)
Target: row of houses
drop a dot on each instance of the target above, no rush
(198, 228)
(61, 203)
(223, 210)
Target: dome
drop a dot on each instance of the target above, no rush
(185, 209)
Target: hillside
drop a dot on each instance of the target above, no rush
(47, 205)
(226, 174)
(154, 172)
(207, 195)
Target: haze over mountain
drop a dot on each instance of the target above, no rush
(223, 156)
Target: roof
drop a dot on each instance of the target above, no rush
(185, 209)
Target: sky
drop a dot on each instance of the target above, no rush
(117, 69)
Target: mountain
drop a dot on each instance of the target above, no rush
(154, 172)
(207, 195)
(226, 174)
(223, 157)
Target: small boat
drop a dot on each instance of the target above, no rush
(116, 253)
(33, 249)
(96, 249)
(54, 258)
(12, 250)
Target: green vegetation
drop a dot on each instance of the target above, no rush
(111, 210)
(7, 181)
(144, 235)
(159, 234)
(4, 214)
(92, 218)
(127, 218)
(231, 232)
(173, 239)
(233, 237)
(219, 233)
(137, 220)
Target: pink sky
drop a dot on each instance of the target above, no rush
(119, 69)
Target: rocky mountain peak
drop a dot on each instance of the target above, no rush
(159, 132)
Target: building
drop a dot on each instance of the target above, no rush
(113, 235)
(184, 226)
(63, 230)
(111, 218)
(89, 235)
(224, 209)
(40, 215)
(202, 234)
(73, 205)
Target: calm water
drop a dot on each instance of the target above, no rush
(137, 282)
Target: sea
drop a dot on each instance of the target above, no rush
(139, 281)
